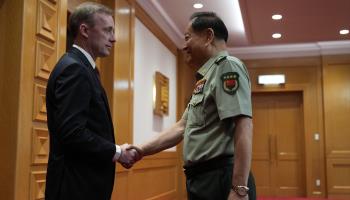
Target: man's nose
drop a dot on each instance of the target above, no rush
(113, 39)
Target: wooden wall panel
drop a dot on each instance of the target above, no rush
(37, 183)
(155, 178)
(10, 62)
(43, 43)
(39, 103)
(46, 26)
(40, 144)
(336, 82)
(302, 74)
(338, 170)
(45, 59)
(121, 185)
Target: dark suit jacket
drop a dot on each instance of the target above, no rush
(82, 141)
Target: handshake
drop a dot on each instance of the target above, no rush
(130, 154)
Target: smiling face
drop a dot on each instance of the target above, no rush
(101, 35)
(194, 47)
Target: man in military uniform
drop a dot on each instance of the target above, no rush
(216, 125)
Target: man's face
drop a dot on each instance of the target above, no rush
(194, 47)
(101, 36)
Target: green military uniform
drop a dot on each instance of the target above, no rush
(221, 92)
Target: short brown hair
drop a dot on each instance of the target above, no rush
(84, 14)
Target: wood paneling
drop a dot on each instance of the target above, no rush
(45, 59)
(155, 177)
(338, 176)
(40, 144)
(39, 104)
(43, 43)
(336, 82)
(11, 15)
(302, 74)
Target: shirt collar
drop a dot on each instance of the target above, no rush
(205, 68)
(87, 55)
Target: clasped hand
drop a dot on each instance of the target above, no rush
(130, 155)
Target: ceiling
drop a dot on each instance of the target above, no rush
(307, 25)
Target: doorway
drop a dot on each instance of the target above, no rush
(278, 144)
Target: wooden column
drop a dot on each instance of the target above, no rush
(34, 38)
(11, 15)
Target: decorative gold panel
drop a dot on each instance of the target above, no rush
(40, 146)
(38, 180)
(45, 60)
(161, 94)
(39, 113)
(47, 21)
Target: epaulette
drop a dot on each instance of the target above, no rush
(218, 61)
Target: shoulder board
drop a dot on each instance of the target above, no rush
(218, 61)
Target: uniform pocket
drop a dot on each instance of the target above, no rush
(195, 112)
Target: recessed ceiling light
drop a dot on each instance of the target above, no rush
(276, 35)
(197, 5)
(277, 17)
(344, 31)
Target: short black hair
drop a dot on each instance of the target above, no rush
(84, 14)
(204, 20)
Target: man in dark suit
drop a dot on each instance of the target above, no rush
(83, 153)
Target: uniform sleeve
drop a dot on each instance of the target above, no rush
(232, 90)
(73, 94)
(185, 114)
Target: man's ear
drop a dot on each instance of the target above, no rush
(209, 35)
(83, 29)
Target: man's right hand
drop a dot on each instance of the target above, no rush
(129, 155)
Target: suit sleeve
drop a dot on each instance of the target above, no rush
(73, 92)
